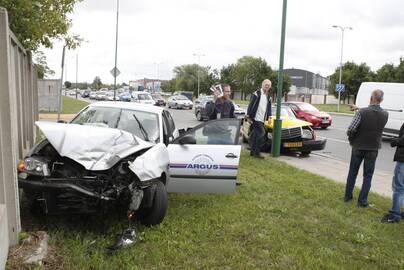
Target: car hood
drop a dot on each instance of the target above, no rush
(319, 114)
(288, 122)
(96, 148)
(184, 101)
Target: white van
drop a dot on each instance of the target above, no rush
(143, 97)
(393, 102)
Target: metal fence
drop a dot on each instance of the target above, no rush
(18, 112)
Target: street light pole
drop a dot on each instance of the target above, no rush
(77, 71)
(116, 46)
(199, 64)
(340, 63)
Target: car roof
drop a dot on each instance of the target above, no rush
(128, 105)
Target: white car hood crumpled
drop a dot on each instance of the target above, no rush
(98, 148)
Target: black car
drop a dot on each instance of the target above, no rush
(200, 108)
(85, 94)
(159, 100)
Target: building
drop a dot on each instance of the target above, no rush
(152, 85)
(306, 85)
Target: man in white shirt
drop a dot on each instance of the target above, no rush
(258, 111)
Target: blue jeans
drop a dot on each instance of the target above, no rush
(398, 190)
(257, 137)
(369, 157)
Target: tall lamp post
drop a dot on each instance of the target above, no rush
(199, 64)
(343, 28)
(158, 75)
(116, 46)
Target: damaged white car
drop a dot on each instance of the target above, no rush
(115, 153)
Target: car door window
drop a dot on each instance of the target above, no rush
(216, 132)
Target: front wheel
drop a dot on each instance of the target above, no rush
(156, 213)
(198, 116)
(305, 153)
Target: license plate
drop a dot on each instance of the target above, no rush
(293, 144)
(326, 121)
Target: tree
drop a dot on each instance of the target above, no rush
(186, 78)
(247, 74)
(37, 23)
(399, 71)
(168, 86)
(68, 84)
(41, 65)
(352, 76)
(386, 73)
(97, 84)
(287, 82)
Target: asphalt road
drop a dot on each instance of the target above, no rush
(337, 146)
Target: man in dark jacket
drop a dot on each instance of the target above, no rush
(221, 106)
(394, 215)
(258, 111)
(365, 133)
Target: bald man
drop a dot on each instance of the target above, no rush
(365, 134)
(258, 111)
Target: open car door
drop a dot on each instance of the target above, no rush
(205, 159)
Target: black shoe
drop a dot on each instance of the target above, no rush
(363, 205)
(347, 199)
(389, 218)
(402, 214)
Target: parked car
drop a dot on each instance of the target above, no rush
(296, 135)
(186, 94)
(85, 94)
(125, 153)
(93, 94)
(101, 95)
(158, 99)
(179, 102)
(110, 96)
(200, 109)
(126, 96)
(309, 113)
(142, 97)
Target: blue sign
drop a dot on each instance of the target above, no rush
(340, 87)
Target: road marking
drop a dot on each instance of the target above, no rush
(334, 140)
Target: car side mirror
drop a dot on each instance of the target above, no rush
(187, 139)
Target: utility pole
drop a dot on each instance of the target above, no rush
(77, 71)
(343, 28)
(199, 66)
(116, 46)
(276, 141)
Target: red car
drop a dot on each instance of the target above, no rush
(309, 113)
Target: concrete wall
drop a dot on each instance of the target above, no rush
(48, 95)
(18, 111)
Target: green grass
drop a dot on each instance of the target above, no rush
(279, 218)
(70, 105)
(343, 108)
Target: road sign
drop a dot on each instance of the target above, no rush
(340, 87)
(115, 72)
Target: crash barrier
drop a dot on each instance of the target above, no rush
(18, 112)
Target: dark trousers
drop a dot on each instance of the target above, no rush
(257, 137)
(369, 157)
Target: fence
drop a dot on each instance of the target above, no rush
(18, 111)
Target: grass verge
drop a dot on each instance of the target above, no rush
(279, 218)
(70, 105)
(343, 108)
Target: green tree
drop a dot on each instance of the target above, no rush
(247, 74)
(386, 73)
(287, 82)
(37, 23)
(168, 86)
(97, 84)
(352, 76)
(186, 78)
(68, 84)
(399, 71)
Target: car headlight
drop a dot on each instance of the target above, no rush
(314, 117)
(307, 134)
(270, 135)
(36, 166)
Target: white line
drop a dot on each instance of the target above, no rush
(334, 140)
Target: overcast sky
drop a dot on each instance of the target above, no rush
(157, 35)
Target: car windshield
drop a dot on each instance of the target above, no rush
(144, 125)
(306, 107)
(285, 112)
(144, 97)
(181, 98)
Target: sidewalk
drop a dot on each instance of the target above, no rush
(337, 170)
(53, 117)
